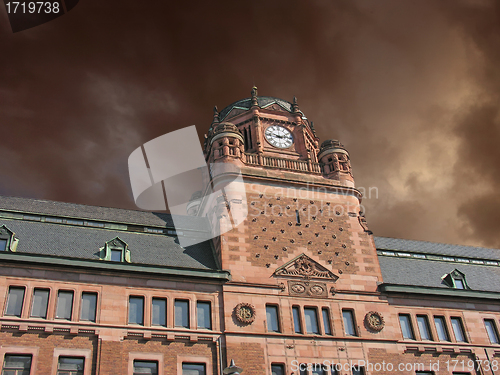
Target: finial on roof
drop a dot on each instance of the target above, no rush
(254, 96)
(312, 128)
(295, 106)
(216, 115)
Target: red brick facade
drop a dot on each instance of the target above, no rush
(303, 246)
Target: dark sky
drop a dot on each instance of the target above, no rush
(411, 88)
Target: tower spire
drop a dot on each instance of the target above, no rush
(254, 96)
(216, 116)
(295, 106)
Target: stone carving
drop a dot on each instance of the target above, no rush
(244, 313)
(307, 289)
(305, 267)
(374, 321)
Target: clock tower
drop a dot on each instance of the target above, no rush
(304, 241)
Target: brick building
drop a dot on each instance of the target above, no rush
(302, 282)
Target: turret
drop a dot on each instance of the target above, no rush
(336, 163)
(226, 143)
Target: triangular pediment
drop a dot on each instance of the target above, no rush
(275, 107)
(305, 267)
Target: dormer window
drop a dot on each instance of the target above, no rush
(7, 240)
(455, 279)
(116, 255)
(115, 250)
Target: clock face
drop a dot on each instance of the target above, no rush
(279, 137)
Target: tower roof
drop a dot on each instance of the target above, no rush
(263, 102)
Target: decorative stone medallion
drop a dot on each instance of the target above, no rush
(307, 289)
(244, 313)
(374, 321)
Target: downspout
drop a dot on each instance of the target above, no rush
(489, 362)
(219, 344)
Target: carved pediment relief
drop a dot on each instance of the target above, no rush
(305, 267)
(275, 107)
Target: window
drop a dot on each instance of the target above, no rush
(64, 304)
(441, 328)
(311, 318)
(302, 369)
(182, 313)
(159, 317)
(272, 318)
(459, 284)
(296, 319)
(15, 301)
(193, 369)
(297, 216)
(358, 370)
(145, 367)
(136, 310)
(491, 330)
(326, 321)
(423, 327)
(277, 369)
(318, 369)
(204, 315)
(349, 323)
(336, 368)
(3, 244)
(424, 373)
(406, 328)
(116, 255)
(70, 366)
(14, 364)
(458, 329)
(40, 303)
(88, 307)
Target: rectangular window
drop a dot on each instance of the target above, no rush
(349, 327)
(204, 315)
(40, 303)
(15, 301)
(159, 312)
(423, 327)
(136, 310)
(358, 370)
(182, 313)
(311, 319)
(296, 319)
(424, 373)
(459, 284)
(491, 330)
(277, 369)
(16, 364)
(406, 328)
(88, 307)
(3, 244)
(318, 369)
(441, 328)
(116, 255)
(336, 368)
(64, 304)
(302, 369)
(272, 318)
(70, 366)
(326, 321)
(458, 329)
(193, 369)
(145, 367)
(297, 216)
